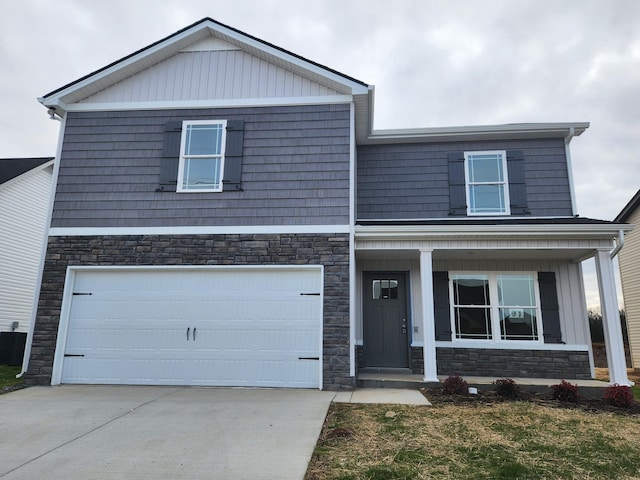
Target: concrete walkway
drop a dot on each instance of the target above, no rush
(399, 396)
(117, 432)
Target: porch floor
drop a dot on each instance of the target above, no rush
(589, 388)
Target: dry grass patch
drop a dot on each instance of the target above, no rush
(504, 440)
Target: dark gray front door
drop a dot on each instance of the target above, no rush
(386, 336)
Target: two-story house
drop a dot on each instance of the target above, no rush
(225, 215)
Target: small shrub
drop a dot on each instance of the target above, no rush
(565, 392)
(455, 385)
(618, 395)
(506, 388)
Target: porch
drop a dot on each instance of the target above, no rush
(430, 261)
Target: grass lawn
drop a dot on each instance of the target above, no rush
(511, 440)
(8, 376)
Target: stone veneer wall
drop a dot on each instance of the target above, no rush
(513, 363)
(330, 250)
(485, 362)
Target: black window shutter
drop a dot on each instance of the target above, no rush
(233, 156)
(549, 307)
(457, 186)
(441, 306)
(170, 156)
(517, 185)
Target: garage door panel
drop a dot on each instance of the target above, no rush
(222, 327)
(275, 373)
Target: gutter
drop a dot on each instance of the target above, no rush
(43, 250)
(386, 231)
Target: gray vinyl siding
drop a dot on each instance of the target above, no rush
(295, 170)
(411, 181)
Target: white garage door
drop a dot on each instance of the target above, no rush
(223, 327)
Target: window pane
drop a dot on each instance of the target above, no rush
(385, 289)
(516, 290)
(471, 290)
(204, 140)
(201, 173)
(486, 168)
(518, 324)
(487, 199)
(473, 323)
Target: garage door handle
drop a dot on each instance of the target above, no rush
(188, 330)
(308, 358)
(194, 334)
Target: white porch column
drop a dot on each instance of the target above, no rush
(428, 317)
(611, 319)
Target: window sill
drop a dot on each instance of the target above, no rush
(200, 191)
(510, 345)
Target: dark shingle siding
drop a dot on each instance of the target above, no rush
(295, 170)
(411, 180)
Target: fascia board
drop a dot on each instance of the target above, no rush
(479, 132)
(152, 55)
(164, 49)
(300, 64)
(583, 231)
(629, 208)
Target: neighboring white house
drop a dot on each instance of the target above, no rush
(25, 191)
(629, 259)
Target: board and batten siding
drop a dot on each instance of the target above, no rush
(24, 205)
(411, 181)
(629, 259)
(295, 170)
(573, 314)
(205, 75)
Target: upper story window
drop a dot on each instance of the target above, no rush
(495, 307)
(202, 153)
(487, 185)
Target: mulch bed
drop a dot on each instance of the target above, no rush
(488, 398)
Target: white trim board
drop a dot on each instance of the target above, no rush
(266, 230)
(213, 103)
(511, 345)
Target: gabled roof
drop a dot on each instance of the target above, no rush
(174, 43)
(144, 59)
(11, 168)
(629, 208)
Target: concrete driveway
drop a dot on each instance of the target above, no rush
(107, 432)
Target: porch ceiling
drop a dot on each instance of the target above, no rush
(571, 254)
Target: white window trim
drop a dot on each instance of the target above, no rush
(183, 143)
(495, 310)
(505, 182)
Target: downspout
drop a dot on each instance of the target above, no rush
(567, 153)
(619, 244)
(53, 115)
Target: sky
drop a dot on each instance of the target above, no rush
(434, 64)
